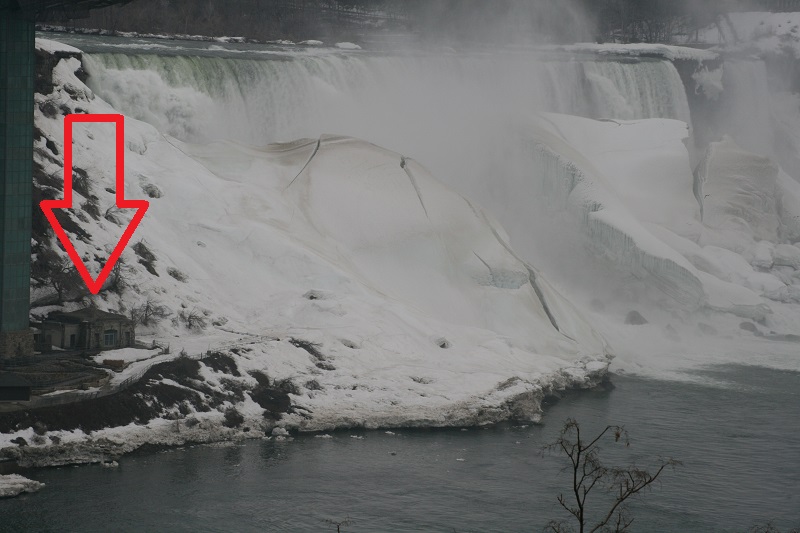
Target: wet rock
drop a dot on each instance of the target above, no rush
(749, 326)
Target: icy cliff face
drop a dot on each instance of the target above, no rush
(720, 240)
(737, 191)
(615, 175)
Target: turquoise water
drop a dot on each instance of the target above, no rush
(738, 443)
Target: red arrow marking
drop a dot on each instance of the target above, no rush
(140, 205)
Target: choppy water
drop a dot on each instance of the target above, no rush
(738, 444)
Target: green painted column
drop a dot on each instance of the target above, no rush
(17, 62)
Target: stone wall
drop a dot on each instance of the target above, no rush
(16, 343)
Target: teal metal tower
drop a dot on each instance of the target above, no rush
(17, 72)
(16, 160)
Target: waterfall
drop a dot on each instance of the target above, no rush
(459, 115)
(465, 117)
(202, 98)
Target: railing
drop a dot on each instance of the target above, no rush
(68, 397)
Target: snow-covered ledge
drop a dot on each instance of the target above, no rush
(13, 485)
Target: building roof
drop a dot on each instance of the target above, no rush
(7, 379)
(90, 314)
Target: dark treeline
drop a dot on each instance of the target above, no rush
(508, 20)
(661, 21)
(254, 19)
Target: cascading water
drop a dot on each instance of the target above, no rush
(761, 120)
(462, 116)
(271, 100)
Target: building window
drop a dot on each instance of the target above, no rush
(127, 338)
(109, 338)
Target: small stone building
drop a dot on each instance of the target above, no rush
(86, 329)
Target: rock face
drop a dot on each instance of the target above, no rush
(14, 485)
(635, 318)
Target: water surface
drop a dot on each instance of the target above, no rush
(738, 443)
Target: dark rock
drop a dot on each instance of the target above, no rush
(635, 318)
(222, 363)
(233, 418)
(50, 144)
(20, 441)
(313, 384)
(749, 326)
(48, 109)
(152, 191)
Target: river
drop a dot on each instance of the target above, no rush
(735, 432)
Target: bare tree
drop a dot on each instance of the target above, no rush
(150, 312)
(769, 527)
(194, 319)
(589, 473)
(51, 269)
(339, 524)
(118, 281)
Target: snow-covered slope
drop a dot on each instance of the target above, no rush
(765, 31)
(385, 297)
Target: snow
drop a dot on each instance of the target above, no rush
(611, 184)
(666, 51)
(787, 255)
(13, 485)
(348, 46)
(630, 185)
(419, 305)
(128, 355)
(50, 46)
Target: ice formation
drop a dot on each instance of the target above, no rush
(13, 485)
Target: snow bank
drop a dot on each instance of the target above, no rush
(52, 47)
(128, 355)
(348, 46)
(14, 485)
(670, 52)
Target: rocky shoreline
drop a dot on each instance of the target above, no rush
(107, 443)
